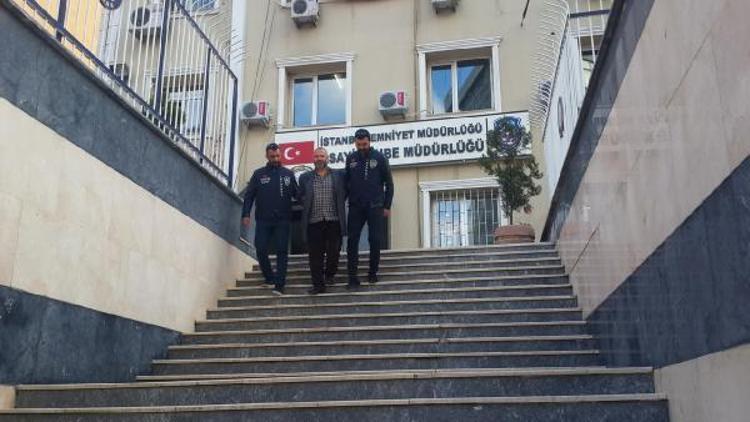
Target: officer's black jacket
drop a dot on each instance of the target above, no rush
(368, 180)
(271, 189)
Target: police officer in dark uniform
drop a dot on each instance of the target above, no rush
(370, 188)
(272, 188)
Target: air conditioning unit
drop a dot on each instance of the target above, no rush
(256, 113)
(145, 21)
(392, 103)
(441, 5)
(305, 11)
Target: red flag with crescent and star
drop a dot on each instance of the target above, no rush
(297, 152)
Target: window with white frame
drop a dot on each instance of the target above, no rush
(187, 106)
(588, 21)
(314, 91)
(460, 212)
(319, 100)
(201, 5)
(461, 85)
(459, 76)
(464, 217)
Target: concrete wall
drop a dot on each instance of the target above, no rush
(77, 231)
(711, 388)
(383, 35)
(677, 129)
(113, 240)
(652, 208)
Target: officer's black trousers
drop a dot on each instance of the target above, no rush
(278, 232)
(358, 216)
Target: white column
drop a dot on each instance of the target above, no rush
(281, 99)
(349, 85)
(237, 64)
(496, 77)
(422, 86)
(426, 219)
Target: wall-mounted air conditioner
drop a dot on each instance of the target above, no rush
(145, 21)
(392, 103)
(305, 11)
(441, 5)
(256, 113)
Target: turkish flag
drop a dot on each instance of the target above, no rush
(297, 152)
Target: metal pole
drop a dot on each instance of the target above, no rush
(62, 10)
(162, 54)
(206, 80)
(232, 135)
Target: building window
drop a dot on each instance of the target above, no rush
(201, 5)
(459, 76)
(185, 109)
(463, 85)
(314, 91)
(464, 217)
(319, 100)
(442, 89)
(588, 21)
(460, 212)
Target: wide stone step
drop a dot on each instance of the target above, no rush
(301, 286)
(381, 346)
(374, 362)
(461, 250)
(243, 319)
(438, 273)
(343, 333)
(351, 386)
(518, 302)
(386, 261)
(600, 408)
(267, 298)
(388, 267)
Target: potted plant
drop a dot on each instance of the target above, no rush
(508, 159)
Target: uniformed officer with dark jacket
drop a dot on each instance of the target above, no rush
(271, 188)
(370, 188)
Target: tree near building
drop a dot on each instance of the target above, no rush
(508, 158)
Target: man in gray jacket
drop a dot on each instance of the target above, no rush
(323, 196)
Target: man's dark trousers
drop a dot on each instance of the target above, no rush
(358, 216)
(265, 232)
(324, 243)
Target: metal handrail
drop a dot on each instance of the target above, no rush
(178, 44)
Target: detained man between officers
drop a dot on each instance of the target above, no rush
(366, 183)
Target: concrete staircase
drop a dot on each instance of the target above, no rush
(479, 334)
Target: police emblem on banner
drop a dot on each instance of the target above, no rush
(111, 4)
(373, 164)
(287, 180)
(509, 130)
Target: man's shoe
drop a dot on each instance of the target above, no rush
(372, 278)
(278, 291)
(316, 290)
(268, 284)
(330, 281)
